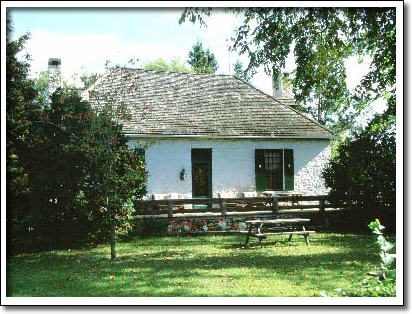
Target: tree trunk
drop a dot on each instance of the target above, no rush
(112, 232)
(112, 242)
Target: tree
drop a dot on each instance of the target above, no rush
(20, 108)
(202, 61)
(89, 80)
(119, 176)
(42, 88)
(56, 167)
(82, 178)
(323, 38)
(362, 173)
(239, 72)
(174, 65)
(60, 192)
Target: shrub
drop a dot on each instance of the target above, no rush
(149, 226)
(362, 174)
(68, 185)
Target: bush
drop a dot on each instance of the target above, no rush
(353, 220)
(362, 174)
(149, 226)
(64, 203)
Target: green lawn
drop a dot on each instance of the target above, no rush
(198, 266)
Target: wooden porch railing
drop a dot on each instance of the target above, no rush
(224, 207)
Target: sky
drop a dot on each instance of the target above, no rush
(85, 39)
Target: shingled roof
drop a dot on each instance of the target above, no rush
(182, 104)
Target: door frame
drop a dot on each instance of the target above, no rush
(208, 161)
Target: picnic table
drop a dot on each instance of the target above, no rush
(285, 226)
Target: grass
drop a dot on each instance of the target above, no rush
(197, 266)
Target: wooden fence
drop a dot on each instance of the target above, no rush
(176, 209)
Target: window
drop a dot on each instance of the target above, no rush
(274, 169)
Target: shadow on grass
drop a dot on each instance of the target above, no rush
(187, 267)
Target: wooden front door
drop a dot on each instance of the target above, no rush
(201, 172)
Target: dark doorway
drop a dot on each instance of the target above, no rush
(202, 172)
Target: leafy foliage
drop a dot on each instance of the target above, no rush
(174, 65)
(68, 183)
(386, 286)
(362, 173)
(287, 84)
(55, 161)
(202, 61)
(58, 157)
(42, 88)
(116, 176)
(195, 14)
(20, 108)
(321, 39)
(145, 227)
(384, 245)
(89, 80)
(374, 286)
(240, 73)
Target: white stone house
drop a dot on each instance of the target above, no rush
(211, 135)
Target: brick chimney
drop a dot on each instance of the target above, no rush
(277, 86)
(282, 94)
(55, 79)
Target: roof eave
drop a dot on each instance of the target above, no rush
(202, 136)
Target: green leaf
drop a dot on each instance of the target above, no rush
(386, 260)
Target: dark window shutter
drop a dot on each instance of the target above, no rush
(260, 170)
(289, 170)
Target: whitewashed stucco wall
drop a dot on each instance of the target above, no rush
(233, 165)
